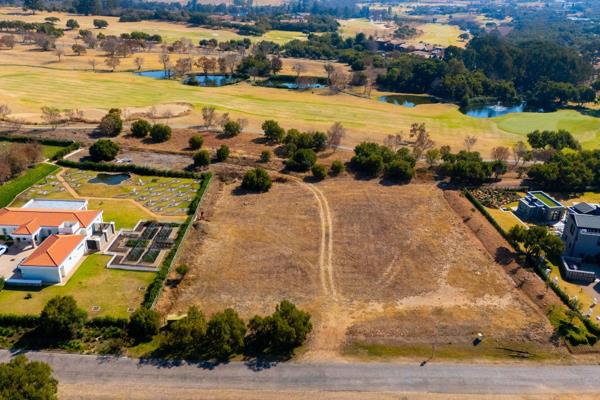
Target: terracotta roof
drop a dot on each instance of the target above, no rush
(53, 251)
(30, 220)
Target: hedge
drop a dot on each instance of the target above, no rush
(591, 326)
(136, 169)
(32, 321)
(27, 139)
(64, 151)
(157, 283)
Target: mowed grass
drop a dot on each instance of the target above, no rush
(10, 190)
(350, 27)
(438, 34)
(114, 291)
(29, 88)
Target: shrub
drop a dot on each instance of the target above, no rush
(223, 153)
(182, 269)
(225, 334)
(104, 150)
(196, 142)
(232, 128)
(143, 324)
(160, 133)
(319, 171)
(111, 124)
(140, 128)
(100, 23)
(337, 167)
(256, 180)
(399, 171)
(273, 132)
(202, 158)
(61, 318)
(265, 156)
(302, 160)
(23, 379)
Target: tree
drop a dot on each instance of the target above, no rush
(51, 115)
(139, 62)
(93, 63)
(183, 66)
(225, 334)
(223, 153)
(432, 156)
(337, 167)
(329, 69)
(78, 49)
(335, 134)
(298, 68)
(537, 241)
(276, 65)
(143, 324)
(393, 142)
(160, 133)
(8, 41)
(100, 23)
(422, 141)
(104, 150)
(164, 58)
(140, 128)
(302, 160)
(469, 142)
(499, 167)
(265, 156)
(232, 128)
(21, 379)
(72, 24)
(202, 158)
(273, 132)
(33, 5)
(4, 111)
(319, 171)
(256, 180)
(399, 171)
(208, 115)
(519, 151)
(111, 124)
(61, 318)
(112, 62)
(281, 332)
(59, 52)
(500, 153)
(196, 142)
(186, 336)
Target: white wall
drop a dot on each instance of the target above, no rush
(72, 260)
(45, 274)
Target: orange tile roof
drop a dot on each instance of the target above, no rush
(30, 220)
(53, 251)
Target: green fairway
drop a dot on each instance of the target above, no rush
(11, 189)
(114, 291)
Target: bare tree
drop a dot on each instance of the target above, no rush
(52, 116)
(74, 114)
(207, 64)
(208, 115)
(139, 62)
(243, 123)
(4, 111)
(470, 142)
(393, 142)
(231, 61)
(164, 58)
(519, 151)
(335, 134)
(167, 115)
(422, 141)
(329, 69)
(183, 66)
(112, 62)
(92, 62)
(338, 81)
(224, 119)
(500, 153)
(59, 52)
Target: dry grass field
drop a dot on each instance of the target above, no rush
(376, 265)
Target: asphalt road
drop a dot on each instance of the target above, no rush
(433, 378)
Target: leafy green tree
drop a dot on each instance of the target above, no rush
(273, 132)
(432, 156)
(256, 180)
(61, 318)
(337, 167)
(196, 142)
(225, 334)
(399, 171)
(232, 128)
(319, 171)
(143, 324)
(72, 24)
(186, 336)
(104, 150)
(265, 156)
(223, 153)
(21, 379)
(302, 160)
(140, 128)
(537, 241)
(556, 140)
(202, 158)
(111, 124)
(281, 332)
(160, 133)
(100, 23)
(33, 5)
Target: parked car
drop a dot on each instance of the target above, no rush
(3, 249)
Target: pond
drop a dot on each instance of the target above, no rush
(497, 110)
(156, 74)
(294, 85)
(110, 179)
(408, 100)
(210, 80)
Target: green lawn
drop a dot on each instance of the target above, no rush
(47, 150)
(114, 291)
(11, 189)
(124, 214)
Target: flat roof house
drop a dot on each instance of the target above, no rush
(582, 231)
(540, 207)
(60, 237)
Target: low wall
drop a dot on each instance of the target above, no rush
(575, 274)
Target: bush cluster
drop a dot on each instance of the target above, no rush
(372, 160)
(111, 124)
(256, 180)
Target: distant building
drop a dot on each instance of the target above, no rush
(582, 231)
(540, 207)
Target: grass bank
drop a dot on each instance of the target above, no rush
(11, 189)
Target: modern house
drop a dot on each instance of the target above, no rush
(60, 234)
(540, 207)
(582, 231)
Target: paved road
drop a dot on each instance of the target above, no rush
(434, 378)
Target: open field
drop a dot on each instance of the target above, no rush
(28, 89)
(382, 265)
(350, 27)
(438, 34)
(114, 291)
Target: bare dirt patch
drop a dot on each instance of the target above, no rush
(377, 264)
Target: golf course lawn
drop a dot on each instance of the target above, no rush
(29, 88)
(114, 291)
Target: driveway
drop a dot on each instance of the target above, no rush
(10, 260)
